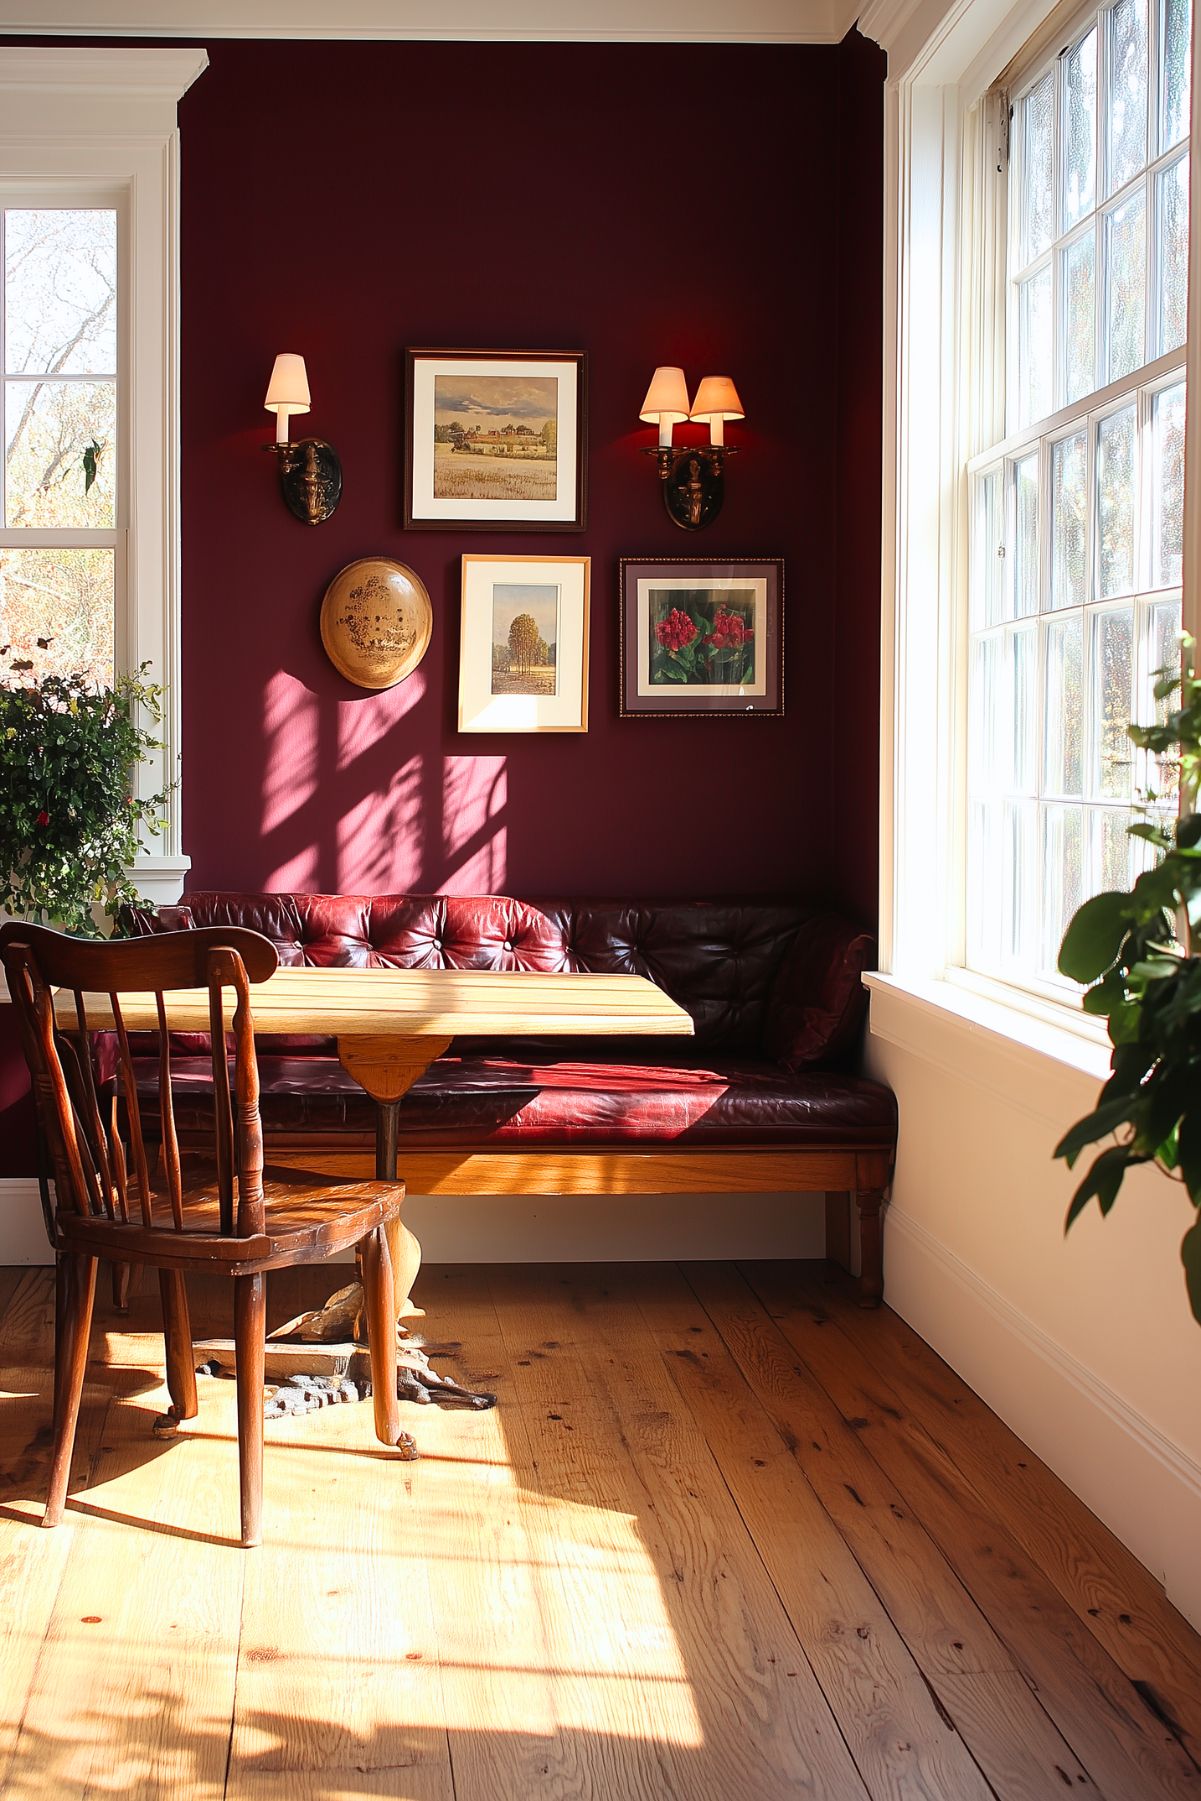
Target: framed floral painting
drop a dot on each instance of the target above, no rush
(700, 636)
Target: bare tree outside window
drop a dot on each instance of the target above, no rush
(58, 406)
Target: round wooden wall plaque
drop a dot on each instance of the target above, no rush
(376, 622)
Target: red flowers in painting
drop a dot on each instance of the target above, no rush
(729, 632)
(43, 817)
(675, 632)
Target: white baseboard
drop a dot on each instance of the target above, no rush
(22, 1232)
(1145, 1488)
(611, 1228)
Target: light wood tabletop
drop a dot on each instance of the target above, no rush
(418, 1003)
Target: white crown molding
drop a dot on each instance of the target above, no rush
(601, 21)
(149, 74)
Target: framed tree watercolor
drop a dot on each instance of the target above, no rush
(700, 637)
(495, 438)
(523, 646)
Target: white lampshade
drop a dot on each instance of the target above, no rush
(717, 398)
(288, 389)
(666, 400)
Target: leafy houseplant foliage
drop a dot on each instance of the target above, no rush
(1136, 949)
(68, 816)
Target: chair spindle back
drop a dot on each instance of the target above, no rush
(92, 1171)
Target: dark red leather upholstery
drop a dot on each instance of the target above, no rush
(745, 971)
(507, 1102)
(773, 988)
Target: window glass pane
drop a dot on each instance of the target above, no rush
(986, 727)
(1038, 118)
(1023, 654)
(1063, 876)
(1113, 847)
(60, 268)
(1078, 287)
(1174, 89)
(52, 429)
(1172, 249)
(66, 596)
(1063, 761)
(1079, 130)
(985, 854)
(1126, 110)
(990, 549)
(1164, 653)
(1167, 486)
(1113, 682)
(1035, 347)
(1126, 281)
(1025, 564)
(1116, 502)
(1069, 521)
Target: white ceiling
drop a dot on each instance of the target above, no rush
(569, 21)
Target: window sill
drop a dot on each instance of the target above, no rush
(1048, 1068)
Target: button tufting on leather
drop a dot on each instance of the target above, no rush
(508, 944)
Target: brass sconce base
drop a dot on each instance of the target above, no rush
(310, 478)
(693, 480)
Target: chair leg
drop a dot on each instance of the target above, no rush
(375, 1267)
(177, 1345)
(75, 1292)
(122, 1276)
(250, 1333)
(871, 1247)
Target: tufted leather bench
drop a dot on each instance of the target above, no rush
(762, 1098)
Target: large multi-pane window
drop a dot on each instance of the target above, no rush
(1075, 515)
(61, 551)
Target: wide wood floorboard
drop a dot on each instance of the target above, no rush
(726, 1536)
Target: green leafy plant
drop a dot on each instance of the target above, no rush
(1136, 951)
(69, 817)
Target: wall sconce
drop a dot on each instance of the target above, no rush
(692, 475)
(310, 474)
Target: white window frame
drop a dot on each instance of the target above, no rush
(944, 245)
(103, 122)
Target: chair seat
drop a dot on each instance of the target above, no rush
(308, 1217)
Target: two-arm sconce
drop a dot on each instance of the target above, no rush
(692, 475)
(310, 474)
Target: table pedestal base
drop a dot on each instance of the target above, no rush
(318, 1374)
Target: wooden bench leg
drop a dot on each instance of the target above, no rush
(871, 1247)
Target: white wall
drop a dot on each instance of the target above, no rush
(617, 1228)
(1085, 1346)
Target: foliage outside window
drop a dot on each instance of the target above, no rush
(1076, 514)
(61, 542)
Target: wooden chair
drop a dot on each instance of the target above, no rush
(225, 1215)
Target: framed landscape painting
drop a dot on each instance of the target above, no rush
(523, 644)
(495, 438)
(700, 637)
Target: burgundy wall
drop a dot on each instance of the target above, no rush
(510, 195)
(347, 199)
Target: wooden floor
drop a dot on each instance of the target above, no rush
(726, 1536)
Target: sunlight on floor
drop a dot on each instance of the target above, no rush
(390, 1605)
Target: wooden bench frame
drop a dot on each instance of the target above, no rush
(839, 1172)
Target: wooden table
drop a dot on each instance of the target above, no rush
(390, 1026)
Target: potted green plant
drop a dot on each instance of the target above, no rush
(1136, 951)
(69, 813)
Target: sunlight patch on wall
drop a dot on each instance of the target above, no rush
(291, 731)
(366, 720)
(381, 837)
(475, 794)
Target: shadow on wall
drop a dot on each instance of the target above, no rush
(401, 813)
